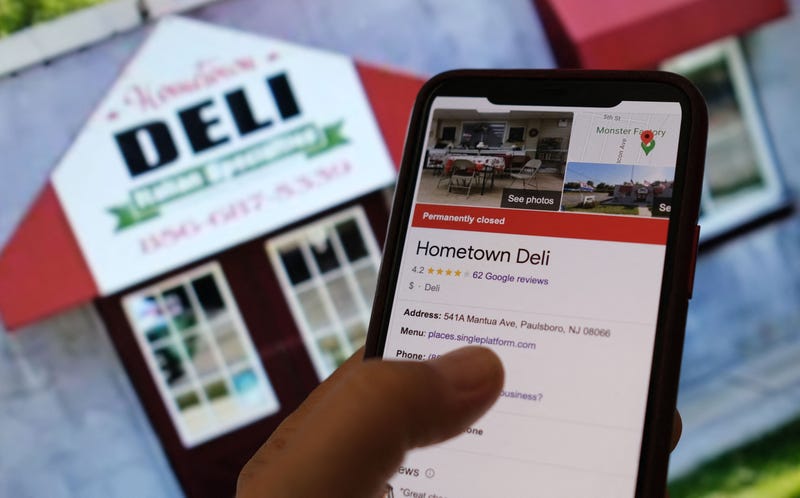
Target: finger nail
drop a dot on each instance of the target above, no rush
(469, 368)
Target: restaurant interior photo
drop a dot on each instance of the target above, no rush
(478, 155)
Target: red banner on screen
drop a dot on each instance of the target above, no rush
(641, 230)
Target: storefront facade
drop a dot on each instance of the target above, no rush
(224, 207)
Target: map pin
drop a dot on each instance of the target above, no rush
(648, 144)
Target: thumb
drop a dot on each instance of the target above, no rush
(352, 438)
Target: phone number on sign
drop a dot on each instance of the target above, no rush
(244, 208)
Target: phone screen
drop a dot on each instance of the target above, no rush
(539, 232)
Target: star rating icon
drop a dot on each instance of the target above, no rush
(447, 272)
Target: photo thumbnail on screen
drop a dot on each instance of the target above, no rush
(514, 159)
(519, 159)
(626, 189)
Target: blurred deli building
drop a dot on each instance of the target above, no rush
(224, 209)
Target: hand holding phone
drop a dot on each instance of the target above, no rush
(549, 216)
(328, 446)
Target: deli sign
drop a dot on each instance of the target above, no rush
(197, 127)
(152, 145)
(211, 137)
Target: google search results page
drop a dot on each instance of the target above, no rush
(540, 233)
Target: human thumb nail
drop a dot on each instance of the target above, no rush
(469, 369)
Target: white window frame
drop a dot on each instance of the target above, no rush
(189, 438)
(299, 238)
(718, 219)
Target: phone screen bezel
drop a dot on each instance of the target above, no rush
(575, 88)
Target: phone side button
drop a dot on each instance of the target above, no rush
(693, 263)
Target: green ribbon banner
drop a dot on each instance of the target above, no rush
(145, 201)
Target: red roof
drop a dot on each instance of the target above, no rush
(635, 34)
(42, 269)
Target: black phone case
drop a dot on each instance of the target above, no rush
(681, 240)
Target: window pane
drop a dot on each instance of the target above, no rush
(176, 301)
(232, 348)
(171, 365)
(149, 318)
(208, 295)
(221, 323)
(351, 239)
(488, 134)
(295, 265)
(246, 385)
(343, 299)
(367, 279)
(187, 400)
(197, 419)
(324, 255)
(198, 349)
(332, 352)
(216, 390)
(193, 414)
(357, 334)
(313, 309)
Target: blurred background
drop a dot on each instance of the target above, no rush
(163, 386)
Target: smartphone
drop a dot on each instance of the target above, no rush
(552, 217)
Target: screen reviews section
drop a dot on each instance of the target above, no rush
(573, 321)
